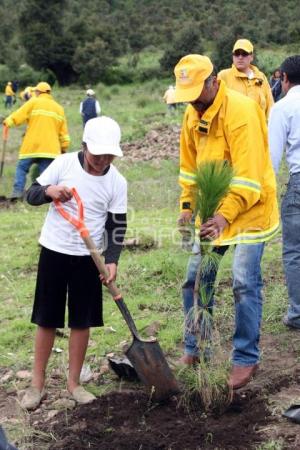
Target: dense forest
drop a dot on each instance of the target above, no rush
(82, 40)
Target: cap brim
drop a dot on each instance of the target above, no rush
(40, 90)
(104, 150)
(188, 94)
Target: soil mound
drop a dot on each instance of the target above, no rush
(161, 143)
(126, 421)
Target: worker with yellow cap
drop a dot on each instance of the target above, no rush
(27, 93)
(9, 95)
(221, 124)
(46, 134)
(247, 78)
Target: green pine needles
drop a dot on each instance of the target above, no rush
(213, 182)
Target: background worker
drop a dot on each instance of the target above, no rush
(275, 84)
(169, 98)
(46, 134)
(9, 95)
(220, 124)
(247, 78)
(284, 134)
(27, 93)
(90, 107)
(65, 265)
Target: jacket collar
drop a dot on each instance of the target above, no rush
(44, 95)
(237, 73)
(203, 125)
(294, 89)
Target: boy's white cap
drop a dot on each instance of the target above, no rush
(102, 136)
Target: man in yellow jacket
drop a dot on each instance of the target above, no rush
(221, 124)
(9, 95)
(46, 135)
(246, 78)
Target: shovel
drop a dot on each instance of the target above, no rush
(293, 413)
(4, 140)
(146, 356)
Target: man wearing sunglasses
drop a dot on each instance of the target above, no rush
(246, 78)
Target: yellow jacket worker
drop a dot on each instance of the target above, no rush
(246, 78)
(9, 95)
(220, 124)
(46, 135)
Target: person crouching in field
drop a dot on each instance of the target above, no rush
(66, 271)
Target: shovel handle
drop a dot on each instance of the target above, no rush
(114, 291)
(5, 133)
(4, 138)
(78, 223)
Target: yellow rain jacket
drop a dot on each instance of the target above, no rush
(46, 134)
(257, 88)
(233, 128)
(9, 91)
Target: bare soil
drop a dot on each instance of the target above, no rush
(128, 420)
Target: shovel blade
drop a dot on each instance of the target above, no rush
(152, 368)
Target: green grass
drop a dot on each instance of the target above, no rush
(149, 280)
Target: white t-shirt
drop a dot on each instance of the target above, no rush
(99, 195)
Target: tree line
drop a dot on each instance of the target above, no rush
(82, 40)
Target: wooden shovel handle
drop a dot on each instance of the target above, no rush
(98, 260)
(5, 133)
(78, 223)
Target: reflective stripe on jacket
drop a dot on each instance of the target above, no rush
(233, 128)
(256, 88)
(46, 133)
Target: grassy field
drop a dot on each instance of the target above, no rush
(150, 280)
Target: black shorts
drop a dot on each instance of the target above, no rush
(61, 277)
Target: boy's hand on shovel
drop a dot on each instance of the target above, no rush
(112, 271)
(58, 192)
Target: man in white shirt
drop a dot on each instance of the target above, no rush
(66, 270)
(284, 134)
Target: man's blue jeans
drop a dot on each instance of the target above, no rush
(22, 169)
(247, 287)
(290, 215)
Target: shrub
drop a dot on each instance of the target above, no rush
(25, 75)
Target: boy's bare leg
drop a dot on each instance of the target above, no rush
(78, 343)
(44, 340)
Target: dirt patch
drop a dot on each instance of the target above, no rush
(161, 143)
(127, 420)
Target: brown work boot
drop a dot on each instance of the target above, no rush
(241, 375)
